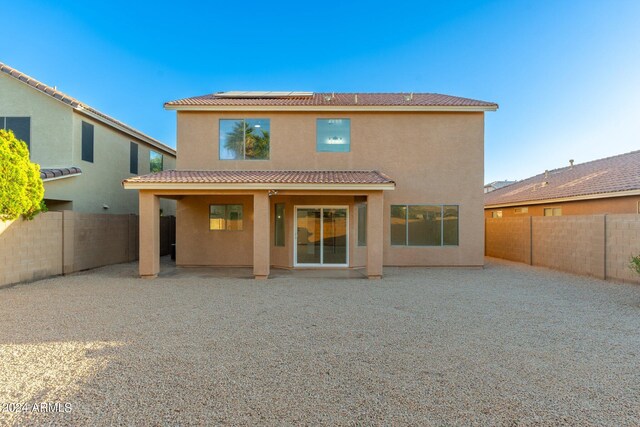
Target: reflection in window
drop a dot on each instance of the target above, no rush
(424, 225)
(244, 139)
(155, 162)
(333, 135)
(225, 217)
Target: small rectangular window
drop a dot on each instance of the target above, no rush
(552, 211)
(362, 225)
(225, 217)
(520, 210)
(155, 162)
(496, 214)
(133, 157)
(21, 127)
(333, 135)
(244, 139)
(279, 225)
(87, 142)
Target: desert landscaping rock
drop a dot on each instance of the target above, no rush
(507, 345)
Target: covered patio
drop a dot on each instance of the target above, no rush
(257, 193)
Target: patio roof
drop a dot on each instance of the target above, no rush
(261, 180)
(51, 174)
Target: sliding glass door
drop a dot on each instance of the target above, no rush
(322, 236)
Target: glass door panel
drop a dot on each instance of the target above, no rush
(334, 242)
(308, 236)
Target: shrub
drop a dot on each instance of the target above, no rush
(634, 263)
(21, 188)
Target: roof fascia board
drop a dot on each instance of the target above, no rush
(567, 199)
(253, 186)
(399, 108)
(55, 178)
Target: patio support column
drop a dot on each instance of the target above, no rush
(149, 231)
(375, 224)
(261, 246)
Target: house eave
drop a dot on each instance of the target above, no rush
(330, 108)
(566, 199)
(255, 186)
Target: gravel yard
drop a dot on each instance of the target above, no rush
(507, 345)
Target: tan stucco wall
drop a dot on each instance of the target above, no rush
(509, 238)
(56, 141)
(31, 250)
(613, 205)
(434, 158)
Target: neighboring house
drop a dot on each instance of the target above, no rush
(83, 154)
(299, 180)
(495, 185)
(604, 186)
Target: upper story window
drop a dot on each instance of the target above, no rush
(133, 157)
(21, 127)
(333, 135)
(244, 139)
(87, 142)
(155, 162)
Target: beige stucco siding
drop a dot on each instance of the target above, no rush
(51, 122)
(434, 158)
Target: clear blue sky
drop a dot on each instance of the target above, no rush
(565, 73)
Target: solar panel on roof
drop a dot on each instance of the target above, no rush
(263, 94)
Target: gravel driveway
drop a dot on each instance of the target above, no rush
(507, 345)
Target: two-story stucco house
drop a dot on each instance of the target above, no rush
(83, 154)
(300, 180)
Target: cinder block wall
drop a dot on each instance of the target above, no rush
(31, 250)
(64, 242)
(594, 245)
(623, 240)
(569, 243)
(509, 238)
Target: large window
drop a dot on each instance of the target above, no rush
(279, 225)
(424, 225)
(133, 157)
(87, 142)
(362, 225)
(244, 139)
(20, 126)
(225, 217)
(333, 135)
(155, 162)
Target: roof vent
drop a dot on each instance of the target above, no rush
(571, 163)
(546, 174)
(263, 94)
(409, 97)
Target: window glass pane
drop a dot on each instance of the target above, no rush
(231, 140)
(87, 142)
(362, 225)
(133, 157)
(333, 135)
(155, 162)
(496, 214)
(21, 127)
(548, 212)
(334, 236)
(450, 226)
(279, 226)
(257, 139)
(234, 217)
(425, 225)
(216, 217)
(398, 225)
(557, 211)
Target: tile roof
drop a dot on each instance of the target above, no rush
(338, 99)
(608, 175)
(74, 103)
(48, 174)
(262, 177)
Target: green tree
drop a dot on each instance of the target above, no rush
(21, 188)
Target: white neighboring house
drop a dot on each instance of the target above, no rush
(496, 185)
(84, 155)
